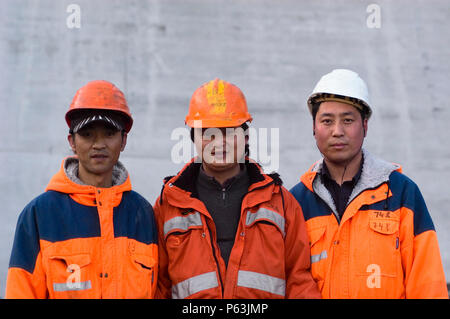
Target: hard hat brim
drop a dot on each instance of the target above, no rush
(128, 119)
(207, 123)
(320, 97)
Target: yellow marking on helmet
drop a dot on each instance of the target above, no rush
(216, 97)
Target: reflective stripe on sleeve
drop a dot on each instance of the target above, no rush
(182, 223)
(266, 214)
(255, 280)
(319, 257)
(194, 284)
(72, 286)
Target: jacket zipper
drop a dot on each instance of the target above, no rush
(215, 258)
(223, 194)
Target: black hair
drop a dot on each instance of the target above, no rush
(122, 132)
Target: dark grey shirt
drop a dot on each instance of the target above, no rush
(224, 205)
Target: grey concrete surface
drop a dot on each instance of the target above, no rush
(159, 52)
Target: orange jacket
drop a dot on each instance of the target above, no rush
(385, 246)
(79, 241)
(269, 259)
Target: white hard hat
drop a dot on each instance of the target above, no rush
(342, 85)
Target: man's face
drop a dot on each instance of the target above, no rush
(98, 147)
(339, 131)
(221, 148)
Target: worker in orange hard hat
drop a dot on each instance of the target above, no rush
(226, 229)
(89, 235)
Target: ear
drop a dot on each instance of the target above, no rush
(71, 140)
(365, 126)
(124, 141)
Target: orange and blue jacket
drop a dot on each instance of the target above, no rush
(385, 246)
(270, 257)
(80, 241)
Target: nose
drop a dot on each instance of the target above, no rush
(338, 130)
(218, 138)
(99, 142)
(219, 142)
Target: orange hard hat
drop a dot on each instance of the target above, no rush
(217, 104)
(100, 95)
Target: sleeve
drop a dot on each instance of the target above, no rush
(163, 290)
(299, 283)
(421, 259)
(26, 278)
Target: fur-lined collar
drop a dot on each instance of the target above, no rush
(119, 173)
(375, 171)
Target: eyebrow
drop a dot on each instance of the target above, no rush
(340, 114)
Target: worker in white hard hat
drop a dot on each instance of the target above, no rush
(370, 232)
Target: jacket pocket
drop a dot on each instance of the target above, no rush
(262, 242)
(384, 250)
(319, 253)
(141, 276)
(70, 276)
(178, 229)
(266, 216)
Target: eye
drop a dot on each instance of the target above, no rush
(110, 133)
(326, 121)
(85, 133)
(348, 120)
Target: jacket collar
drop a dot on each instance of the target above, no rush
(71, 164)
(66, 181)
(375, 172)
(210, 183)
(181, 190)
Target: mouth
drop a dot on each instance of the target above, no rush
(338, 146)
(218, 151)
(218, 156)
(99, 157)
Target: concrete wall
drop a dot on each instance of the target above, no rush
(159, 52)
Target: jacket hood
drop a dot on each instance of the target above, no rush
(67, 181)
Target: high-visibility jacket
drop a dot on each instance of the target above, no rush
(385, 246)
(269, 259)
(80, 241)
